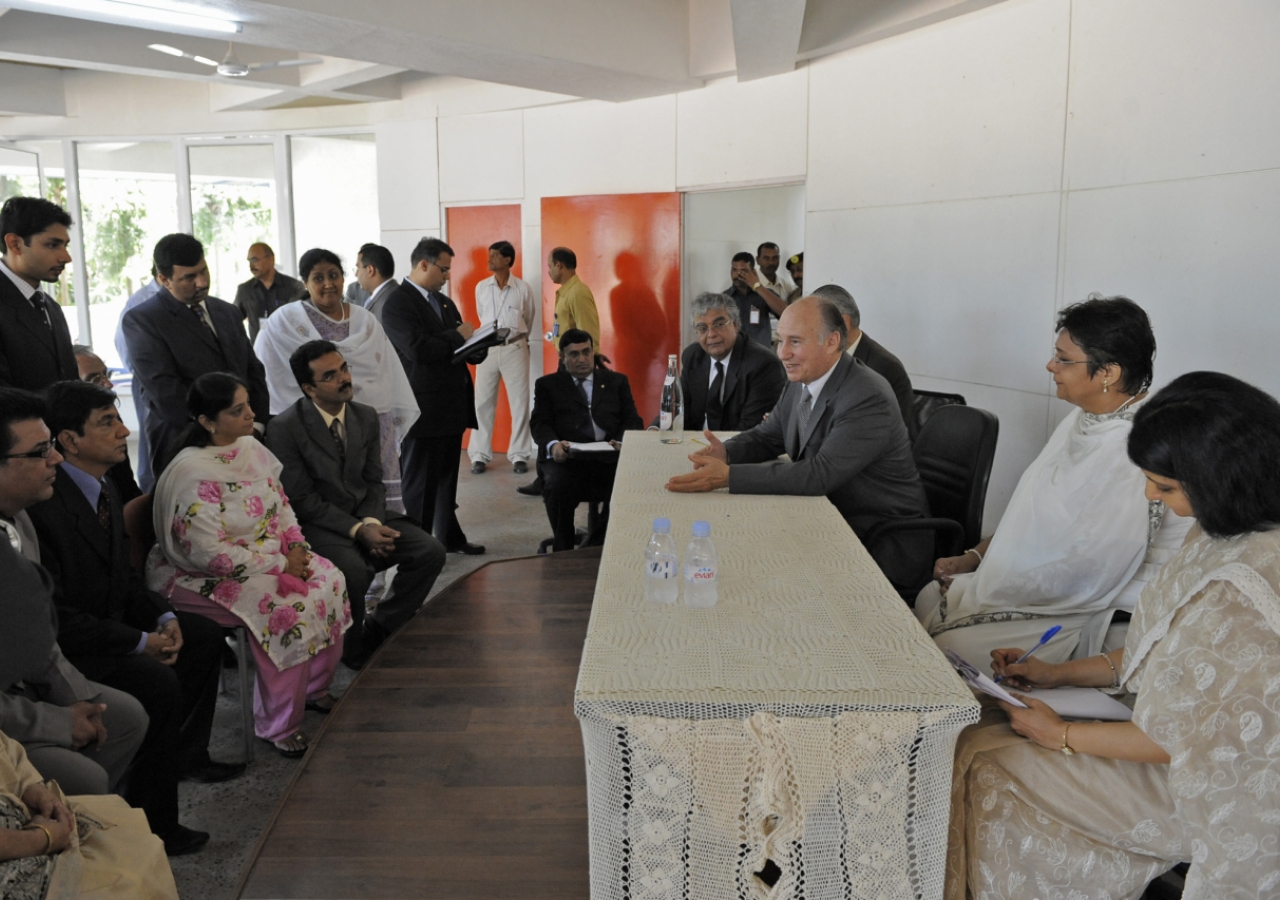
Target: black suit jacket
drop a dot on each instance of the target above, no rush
(102, 602)
(32, 355)
(425, 343)
(250, 303)
(753, 383)
(877, 359)
(169, 349)
(323, 491)
(559, 414)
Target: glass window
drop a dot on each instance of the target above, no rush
(128, 201)
(50, 153)
(335, 193)
(233, 202)
(19, 174)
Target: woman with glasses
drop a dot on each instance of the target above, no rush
(1047, 808)
(377, 376)
(228, 547)
(1078, 540)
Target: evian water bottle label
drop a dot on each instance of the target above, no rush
(700, 574)
(663, 570)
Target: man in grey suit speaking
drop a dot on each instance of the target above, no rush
(839, 423)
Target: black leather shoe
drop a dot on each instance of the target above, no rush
(477, 467)
(183, 840)
(532, 489)
(468, 549)
(210, 772)
(521, 467)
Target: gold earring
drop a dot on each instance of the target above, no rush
(1105, 382)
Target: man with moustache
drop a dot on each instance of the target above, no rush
(266, 291)
(332, 458)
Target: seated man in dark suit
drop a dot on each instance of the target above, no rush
(332, 475)
(180, 334)
(729, 381)
(873, 355)
(838, 422)
(579, 404)
(111, 627)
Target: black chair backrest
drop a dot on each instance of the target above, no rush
(954, 452)
(929, 402)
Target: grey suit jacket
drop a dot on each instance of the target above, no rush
(385, 290)
(355, 294)
(855, 451)
(33, 708)
(324, 493)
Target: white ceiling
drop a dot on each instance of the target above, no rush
(602, 49)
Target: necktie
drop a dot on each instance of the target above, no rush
(104, 509)
(203, 315)
(715, 399)
(435, 304)
(582, 391)
(802, 412)
(339, 439)
(38, 304)
(589, 432)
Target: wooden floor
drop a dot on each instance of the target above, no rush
(453, 767)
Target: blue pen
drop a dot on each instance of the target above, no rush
(1044, 639)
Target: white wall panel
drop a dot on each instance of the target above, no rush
(962, 291)
(1172, 89)
(482, 157)
(401, 244)
(1199, 256)
(970, 107)
(408, 175)
(1024, 427)
(599, 148)
(732, 132)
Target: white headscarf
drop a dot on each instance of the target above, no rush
(377, 375)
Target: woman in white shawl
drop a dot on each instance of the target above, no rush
(1077, 540)
(228, 547)
(1099, 809)
(377, 375)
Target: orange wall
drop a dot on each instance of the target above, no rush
(469, 231)
(628, 248)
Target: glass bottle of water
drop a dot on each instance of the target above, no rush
(671, 412)
(662, 566)
(700, 568)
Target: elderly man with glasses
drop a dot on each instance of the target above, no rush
(729, 381)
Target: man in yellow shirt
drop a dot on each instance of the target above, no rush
(575, 305)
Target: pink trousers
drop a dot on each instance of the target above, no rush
(279, 697)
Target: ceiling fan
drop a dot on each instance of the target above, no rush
(230, 66)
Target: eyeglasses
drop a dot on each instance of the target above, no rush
(718, 325)
(41, 451)
(329, 376)
(443, 269)
(101, 379)
(1057, 360)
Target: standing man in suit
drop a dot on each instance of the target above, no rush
(74, 730)
(730, 382)
(266, 291)
(579, 403)
(332, 475)
(374, 270)
(111, 627)
(35, 343)
(838, 422)
(426, 328)
(756, 304)
(180, 334)
(874, 356)
(508, 302)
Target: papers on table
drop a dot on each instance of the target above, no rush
(592, 447)
(1068, 702)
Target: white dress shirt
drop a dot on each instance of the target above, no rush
(513, 306)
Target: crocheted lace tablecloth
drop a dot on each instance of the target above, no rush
(806, 720)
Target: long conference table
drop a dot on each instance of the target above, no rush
(799, 734)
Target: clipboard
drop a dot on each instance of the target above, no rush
(483, 338)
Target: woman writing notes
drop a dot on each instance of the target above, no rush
(1078, 540)
(1099, 809)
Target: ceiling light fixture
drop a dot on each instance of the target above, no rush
(175, 15)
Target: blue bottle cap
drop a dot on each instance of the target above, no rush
(702, 529)
(662, 526)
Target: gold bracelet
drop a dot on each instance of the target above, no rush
(1066, 748)
(48, 837)
(1115, 676)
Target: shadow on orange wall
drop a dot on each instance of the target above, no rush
(628, 249)
(470, 230)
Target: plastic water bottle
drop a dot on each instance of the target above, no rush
(671, 410)
(700, 568)
(661, 565)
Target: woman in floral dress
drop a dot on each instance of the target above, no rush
(229, 548)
